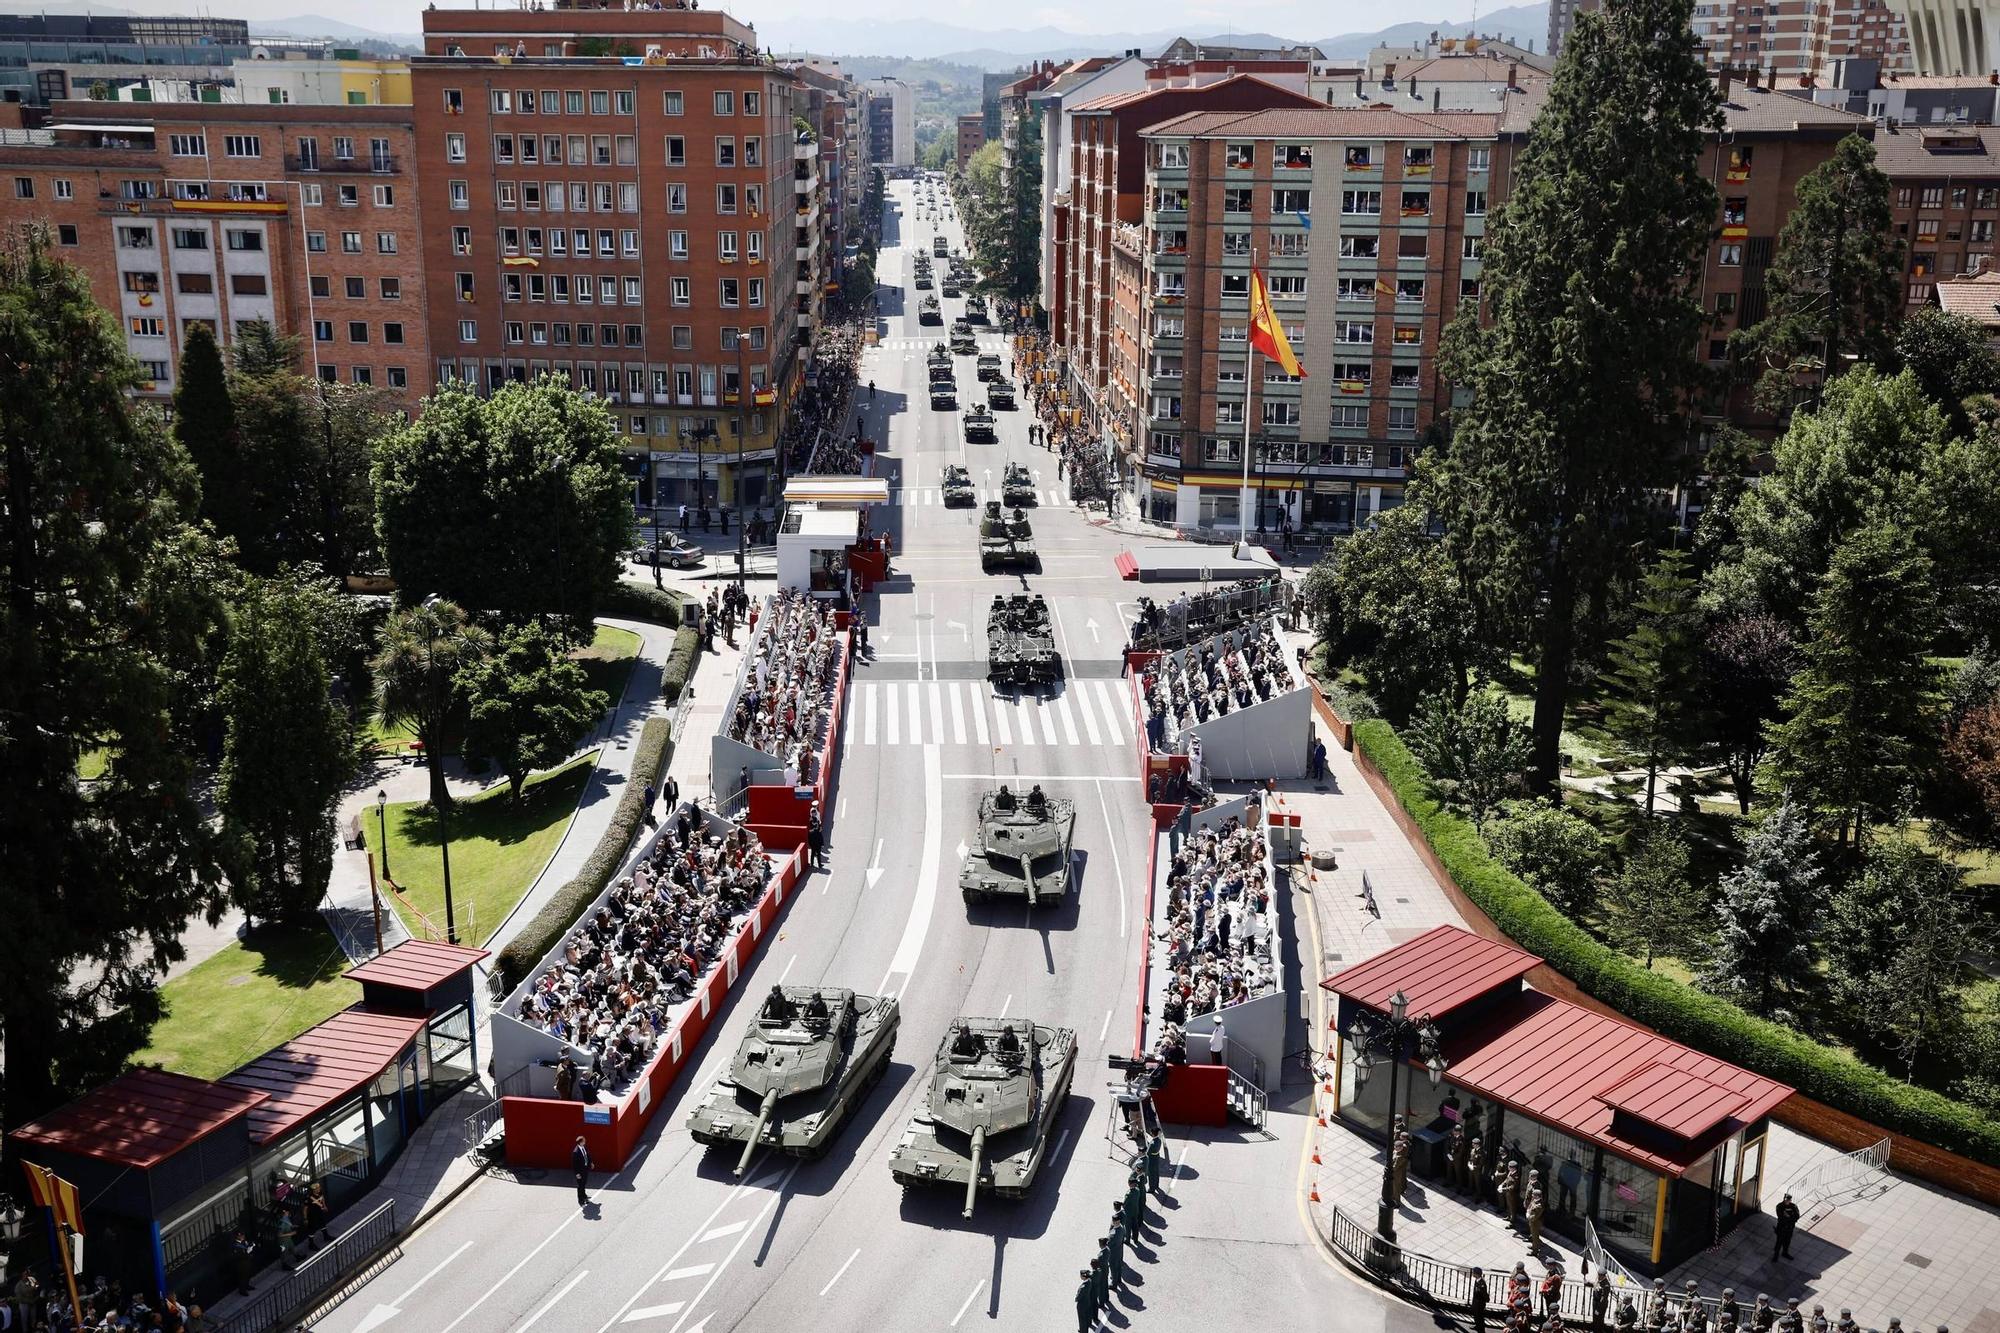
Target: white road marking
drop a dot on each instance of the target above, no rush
(1089, 716)
(1116, 705)
(382, 1314)
(874, 871)
(978, 713)
(692, 1270)
(838, 1273)
(556, 1299)
(936, 693)
(1000, 729)
(737, 1248)
(1061, 1139)
(1117, 870)
(654, 1312)
(976, 1289)
(404, 1298)
(892, 711)
(1105, 1026)
(1038, 777)
(957, 713)
(1068, 722)
(1048, 721)
(868, 714)
(672, 1259)
(1006, 1006)
(726, 1229)
(840, 811)
(925, 901)
(916, 712)
(788, 969)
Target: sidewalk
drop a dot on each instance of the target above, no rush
(1909, 1250)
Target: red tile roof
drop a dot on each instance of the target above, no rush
(417, 965)
(1137, 96)
(1561, 1063)
(1438, 971)
(306, 1075)
(1683, 1104)
(1327, 122)
(140, 1118)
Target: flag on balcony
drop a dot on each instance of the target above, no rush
(1383, 289)
(763, 397)
(1267, 335)
(521, 262)
(1305, 220)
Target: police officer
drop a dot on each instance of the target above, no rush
(1100, 1286)
(1135, 1202)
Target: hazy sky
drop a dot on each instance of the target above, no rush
(1299, 18)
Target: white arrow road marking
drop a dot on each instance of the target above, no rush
(692, 1270)
(556, 1299)
(962, 849)
(735, 1191)
(654, 1311)
(735, 1249)
(1091, 625)
(875, 871)
(382, 1314)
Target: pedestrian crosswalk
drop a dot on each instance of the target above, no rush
(1093, 712)
(934, 495)
(984, 339)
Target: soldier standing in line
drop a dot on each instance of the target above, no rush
(1847, 1324)
(1600, 1301)
(1792, 1320)
(1694, 1315)
(1100, 1280)
(1820, 1323)
(1627, 1317)
(1728, 1309)
(1135, 1202)
(1509, 1177)
(1480, 1297)
(1156, 1151)
(1086, 1302)
(1534, 1216)
(1455, 1150)
(1762, 1316)
(1475, 1181)
(1115, 1240)
(1656, 1305)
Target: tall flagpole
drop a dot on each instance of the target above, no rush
(1243, 500)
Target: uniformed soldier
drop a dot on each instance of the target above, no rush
(1628, 1314)
(1762, 1316)
(1399, 1167)
(1117, 1239)
(1846, 1323)
(1694, 1315)
(1480, 1296)
(1475, 1179)
(1509, 1180)
(1156, 1152)
(1135, 1202)
(1792, 1321)
(1086, 1302)
(1100, 1279)
(1820, 1323)
(1454, 1152)
(1534, 1215)
(1600, 1301)
(1656, 1305)
(1728, 1309)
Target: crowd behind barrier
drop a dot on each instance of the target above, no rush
(787, 695)
(1220, 934)
(1186, 688)
(611, 989)
(815, 435)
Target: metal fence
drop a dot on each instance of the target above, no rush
(348, 1262)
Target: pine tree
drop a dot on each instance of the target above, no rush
(1767, 919)
(1581, 380)
(1836, 285)
(1656, 907)
(1658, 711)
(1471, 748)
(205, 427)
(1862, 721)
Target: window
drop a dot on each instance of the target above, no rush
(1933, 196)
(355, 288)
(1408, 335)
(243, 239)
(633, 294)
(391, 333)
(725, 103)
(725, 199)
(461, 195)
(1402, 420)
(1239, 155)
(1293, 156)
(1236, 200)
(503, 102)
(242, 145)
(1360, 247)
(1289, 244)
(399, 378)
(64, 190)
(514, 331)
(1416, 203)
(316, 242)
(671, 104)
(454, 102)
(1358, 203)
(1725, 303)
(1287, 287)
(350, 195)
(66, 234)
(1281, 413)
(385, 196)
(725, 152)
(142, 283)
(350, 242)
(683, 337)
(454, 148)
(600, 103)
(508, 194)
(677, 198)
(468, 331)
(600, 150)
(155, 370)
(677, 245)
(187, 145)
(362, 375)
(323, 330)
(1354, 289)
(1349, 416)
(1404, 377)
(753, 152)
(1409, 291)
(622, 102)
(681, 292)
(756, 293)
(198, 284)
(149, 326)
(753, 104)
(1352, 376)
(1474, 247)
(249, 284)
(573, 103)
(1478, 159)
(1291, 201)
(1172, 157)
(465, 289)
(1228, 414)
(676, 150)
(1729, 256)
(1234, 285)
(1354, 331)
(392, 289)
(135, 238)
(385, 242)
(731, 293)
(1982, 231)
(461, 240)
(1475, 203)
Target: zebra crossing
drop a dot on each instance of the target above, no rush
(934, 495)
(1094, 712)
(985, 340)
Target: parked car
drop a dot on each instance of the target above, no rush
(670, 553)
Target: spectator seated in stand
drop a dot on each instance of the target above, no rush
(1219, 937)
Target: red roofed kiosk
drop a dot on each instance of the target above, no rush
(1660, 1146)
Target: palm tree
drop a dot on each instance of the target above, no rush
(423, 650)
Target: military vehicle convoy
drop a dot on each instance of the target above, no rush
(1005, 541)
(929, 311)
(1017, 485)
(939, 246)
(996, 1090)
(975, 309)
(924, 282)
(963, 341)
(800, 1070)
(979, 424)
(944, 393)
(1000, 394)
(1021, 643)
(1023, 848)
(987, 367)
(958, 486)
(951, 283)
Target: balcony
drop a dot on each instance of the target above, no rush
(805, 151)
(386, 164)
(806, 285)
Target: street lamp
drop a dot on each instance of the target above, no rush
(444, 797)
(1392, 1039)
(382, 823)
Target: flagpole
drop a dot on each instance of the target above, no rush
(1243, 500)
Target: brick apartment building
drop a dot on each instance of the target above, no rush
(1367, 225)
(616, 196)
(306, 216)
(971, 138)
(1790, 39)
(1945, 201)
(1107, 186)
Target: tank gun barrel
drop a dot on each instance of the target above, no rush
(757, 1133)
(972, 1177)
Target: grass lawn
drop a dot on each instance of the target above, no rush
(90, 765)
(608, 660)
(498, 846)
(250, 997)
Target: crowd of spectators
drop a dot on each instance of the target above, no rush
(788, 693)
(1209, 680)
(106, 1306)
(821, 408)
(1218, 937)
(611, 991)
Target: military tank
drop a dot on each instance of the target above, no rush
(929, 311)
(958, 488)
(1023, 849)
(996, 1090)
(1005, 541)
(1021, 643)
(975, 309)
(804, 1065)
(963, 341)
(1017, 485)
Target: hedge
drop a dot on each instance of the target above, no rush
(681, 659)
(1705, 1022)
(550, 924)
(640, 601)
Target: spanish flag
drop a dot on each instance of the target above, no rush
(522, 262)
(52, 1192)
(1267, 335)
(763, 397)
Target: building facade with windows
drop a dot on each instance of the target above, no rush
(1791, 40)
(623, 221)
(1367, 226)
(971, 138)
(194, 212)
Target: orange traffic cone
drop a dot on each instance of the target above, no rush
(1316, 1161)
(1322, 1119)
(1315, 1194)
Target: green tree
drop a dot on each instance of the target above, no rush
(288, 752)
(1949, 355)
(1836, 284)
(260, 349)
(1747, 663)
(309, 447)
(109, 612)
(1655, 906)
(1472, 749)
(425, 649)
(1897, 940)
(1767, 920)
(1659, 709)
(515, 503)
(1861, 726)
(205, 427)
(1964, 802)
(1410, 627)
(1552, 849)
(526, 705)
(1580, 380)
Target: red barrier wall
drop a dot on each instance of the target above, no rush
(1194, 1095)
(540, 1131)
(776, 814)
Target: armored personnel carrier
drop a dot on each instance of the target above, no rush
(1017, 485)
(975, 309)
(939, 246)
(924, 282)
(804, 1065)
(1005, 541)
(951, 284)
(1020, 643)
(996, 1090)
(1023, 849)
(944, 393)
(929, 311)
(987, 367)
(958, 486)
(979, 424)
(1000, 394)
(963, 341)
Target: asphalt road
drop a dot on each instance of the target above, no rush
(675, 1243)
